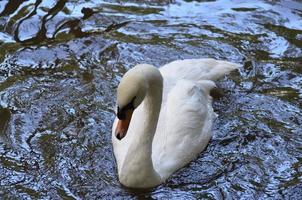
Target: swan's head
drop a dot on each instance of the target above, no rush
(130, 94)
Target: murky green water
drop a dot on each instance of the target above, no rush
(60, 62)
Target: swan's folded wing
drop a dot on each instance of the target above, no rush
(184, 128)
(197, 69)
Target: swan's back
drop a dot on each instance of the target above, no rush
(185, 122)
(197, 69)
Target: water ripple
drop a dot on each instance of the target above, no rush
(61, 61)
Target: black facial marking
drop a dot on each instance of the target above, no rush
(121, 112)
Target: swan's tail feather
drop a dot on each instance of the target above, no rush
(222, 68)
(206, 86)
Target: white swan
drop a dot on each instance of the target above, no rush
(164, 118)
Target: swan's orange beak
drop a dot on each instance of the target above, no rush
(123, 125)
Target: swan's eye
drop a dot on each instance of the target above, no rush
(121, 112)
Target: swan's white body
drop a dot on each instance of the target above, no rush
(173, 123)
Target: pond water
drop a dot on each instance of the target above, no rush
(60, 64)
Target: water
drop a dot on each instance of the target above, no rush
(61, 61)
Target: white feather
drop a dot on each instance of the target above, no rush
(184, 125)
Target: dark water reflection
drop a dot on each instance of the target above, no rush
(60, 62)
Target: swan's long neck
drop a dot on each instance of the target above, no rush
(137, 169)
